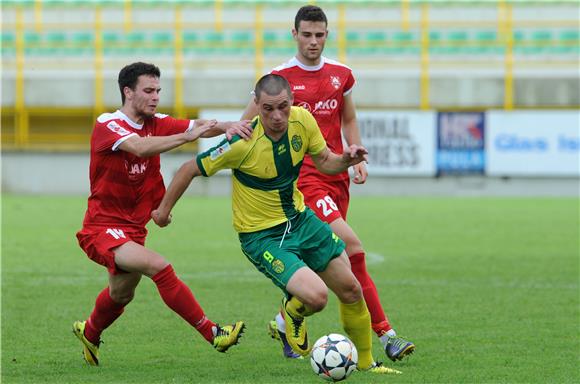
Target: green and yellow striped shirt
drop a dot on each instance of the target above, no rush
(264, 172)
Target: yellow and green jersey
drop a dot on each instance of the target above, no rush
(264, 172)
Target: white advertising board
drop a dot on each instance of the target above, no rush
(533, 143)
(399, 142)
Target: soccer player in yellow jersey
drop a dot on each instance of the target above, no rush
(281, 236)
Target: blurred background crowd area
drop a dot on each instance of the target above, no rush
(60, 59)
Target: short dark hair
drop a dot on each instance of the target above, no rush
(129, 75)
(309, 13)
(272, 85)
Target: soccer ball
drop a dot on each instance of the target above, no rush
(333, 357)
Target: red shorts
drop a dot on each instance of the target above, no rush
(99, 243)
(329, 200)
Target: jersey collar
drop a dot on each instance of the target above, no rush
(309, 67)
(128, 120)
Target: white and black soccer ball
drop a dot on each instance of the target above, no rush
(333, 357)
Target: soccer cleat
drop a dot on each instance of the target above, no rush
(276, 334)
(296, 334)
(397, 348)
(227, 336)
(90, 350)
(379, 368)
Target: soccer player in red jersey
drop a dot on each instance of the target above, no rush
(125, 186)
(324, 87)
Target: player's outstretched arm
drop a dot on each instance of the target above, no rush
(241, 128)
(331, 163)
(162, 215)
(154, 145)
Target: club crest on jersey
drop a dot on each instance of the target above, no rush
(335, 81)
(115, 127)
(278, 266)
(305, 105)
(296, 143)
(220, 150)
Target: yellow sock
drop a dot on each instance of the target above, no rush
(356, 321)
(297, 309)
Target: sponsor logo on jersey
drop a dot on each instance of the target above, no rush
(296, 143)
(335, 81)
(325, 107)
(305, 105)
(116, 128)
(299, 88)
(281, 149)
(220, 150)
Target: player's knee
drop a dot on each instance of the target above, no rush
(354, 248)
(351, 292)
(317, 301)
(156, 265)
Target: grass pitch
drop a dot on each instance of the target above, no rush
(487, 288)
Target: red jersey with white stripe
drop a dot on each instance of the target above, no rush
(320, 89)
(125, 188)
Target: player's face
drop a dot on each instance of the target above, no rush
(144, 99)
(311, 37)
(274, 112)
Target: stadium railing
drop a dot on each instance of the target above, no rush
(43, 35)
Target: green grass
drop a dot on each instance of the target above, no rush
(487, 288)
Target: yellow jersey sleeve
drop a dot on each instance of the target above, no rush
(225, 155)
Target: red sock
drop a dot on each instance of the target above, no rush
(178, 297)
(379, 320)
(105, 312)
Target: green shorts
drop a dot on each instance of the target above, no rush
(278, 252)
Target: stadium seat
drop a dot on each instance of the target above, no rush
(190, 41)
(405, 42)
(568, 42)
(487, 42)
(161, 43)
(32, 43)
(241, 42)
(8, 43)
(82, 43)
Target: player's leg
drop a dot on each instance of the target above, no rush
(175, 293)
(354, 314)
(274, 252)
(111, 301)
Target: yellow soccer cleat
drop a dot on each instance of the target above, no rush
(379, 368)
(90, 350)
(227, 336)
(296, 334)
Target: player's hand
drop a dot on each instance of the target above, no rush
(360, 173)
(354, 154)
(160, 218)
(241, 128)
(198, 130)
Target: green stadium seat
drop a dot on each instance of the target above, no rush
(8, 43)
(112, 42)
(55, 43)
(82, 43)
(212, 42)
(568, 41)
(32, 43)
(405, 42)
(278, 43)
(242, 42)
(161, 42)
(190, 41)
(487, 42)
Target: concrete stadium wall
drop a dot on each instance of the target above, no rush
(67, 174)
